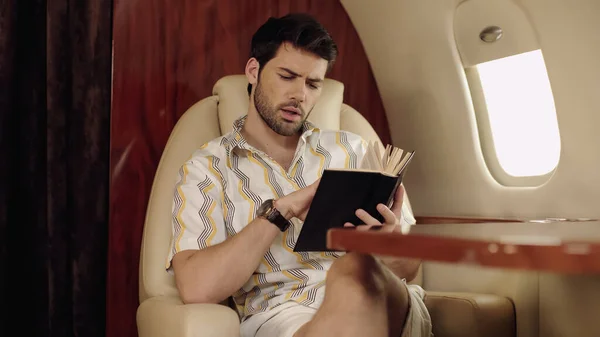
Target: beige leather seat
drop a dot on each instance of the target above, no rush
(161, 312)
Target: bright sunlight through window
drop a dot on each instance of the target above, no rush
(521, 113)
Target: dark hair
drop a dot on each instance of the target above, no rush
(301, 30)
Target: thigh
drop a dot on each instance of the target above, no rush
(362, 298)
(286, 322)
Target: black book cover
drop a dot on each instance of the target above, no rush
(339, 194)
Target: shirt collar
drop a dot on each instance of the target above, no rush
(235, 140)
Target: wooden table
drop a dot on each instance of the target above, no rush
(569, 247)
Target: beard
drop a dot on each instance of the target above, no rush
(270, 113)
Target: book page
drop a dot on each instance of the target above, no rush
(391, 161)
(366, 161)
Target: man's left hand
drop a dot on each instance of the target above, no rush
(391, 217)
(404, 268)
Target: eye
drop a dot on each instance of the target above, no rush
(287, 78)
(313, 86)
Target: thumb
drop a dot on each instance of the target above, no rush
(398, 200)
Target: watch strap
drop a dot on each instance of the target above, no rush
(278, 220)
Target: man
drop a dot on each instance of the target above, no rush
(241, 199)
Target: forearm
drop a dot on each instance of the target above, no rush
(212, 274)
(403, 267)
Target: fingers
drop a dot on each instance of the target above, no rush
(380, 228)
(358, 228)
(390, 220)
(388, 228)
(366, 218)
(388, 216)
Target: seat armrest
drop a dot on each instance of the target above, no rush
(470, 315)
(167, 316)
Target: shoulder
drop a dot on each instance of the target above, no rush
(342, 138)
(214, 148)
(201, 164)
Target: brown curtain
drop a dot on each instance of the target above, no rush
(55, 80)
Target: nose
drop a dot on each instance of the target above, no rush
(299, 90)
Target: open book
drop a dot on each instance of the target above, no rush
(342, 191)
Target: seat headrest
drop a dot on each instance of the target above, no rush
(233, 102)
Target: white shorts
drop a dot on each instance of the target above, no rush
(285, 319)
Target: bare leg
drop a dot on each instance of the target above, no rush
(363, 298)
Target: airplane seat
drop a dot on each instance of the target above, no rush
(162, 313)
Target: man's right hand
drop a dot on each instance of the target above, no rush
(296, 204)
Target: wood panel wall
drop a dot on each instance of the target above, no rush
(167, 56)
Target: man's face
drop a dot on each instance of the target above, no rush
(288, 88)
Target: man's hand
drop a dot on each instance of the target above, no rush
(391, 217)
(296, 204)
(403, 267)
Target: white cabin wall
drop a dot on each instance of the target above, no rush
(415, 61)
(412, 51)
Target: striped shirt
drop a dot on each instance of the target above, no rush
(225, 181)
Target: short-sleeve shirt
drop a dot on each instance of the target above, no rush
(222, 185)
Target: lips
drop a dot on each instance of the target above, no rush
(292, 110)
(291, 114)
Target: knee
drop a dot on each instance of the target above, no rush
(359, 274)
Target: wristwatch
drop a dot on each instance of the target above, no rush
(268, 211)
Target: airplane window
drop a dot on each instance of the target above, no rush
(520, 108)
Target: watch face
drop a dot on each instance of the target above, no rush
(264, 208)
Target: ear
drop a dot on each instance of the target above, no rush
(252, 67)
